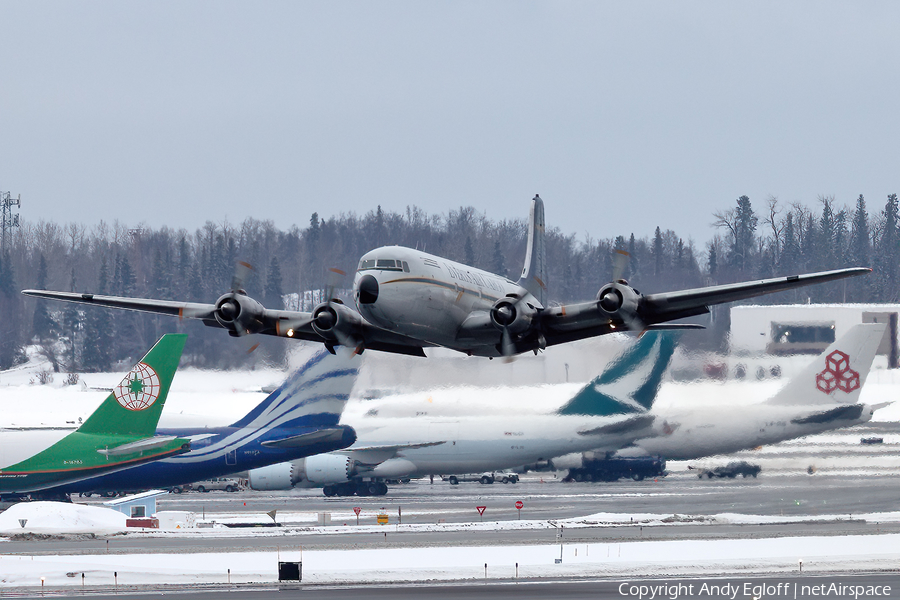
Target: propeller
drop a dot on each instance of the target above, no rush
(612, 298)
(325, 316)
(620, 261)
(504, 314)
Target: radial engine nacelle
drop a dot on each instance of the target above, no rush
(333, 321)
(619, 301)
(239, 313)
(513, 315)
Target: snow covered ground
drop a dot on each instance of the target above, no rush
(829, 554)
(678, 557)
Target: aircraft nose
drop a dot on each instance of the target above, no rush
(368, 290)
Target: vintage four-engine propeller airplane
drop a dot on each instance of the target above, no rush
(407, 300)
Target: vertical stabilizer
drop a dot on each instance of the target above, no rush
(313, 396)
(631, 382)
(533, 276)
(837, 375)
(134, 406)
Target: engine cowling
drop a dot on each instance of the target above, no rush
(239, 313)
(328, 468)
(281, 476)
(330, 319)
(619, 301)
(394, 468)
(512, 315)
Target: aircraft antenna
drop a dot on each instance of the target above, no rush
(10, 220)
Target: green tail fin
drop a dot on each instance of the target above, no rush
(630, 383)
(134, 406)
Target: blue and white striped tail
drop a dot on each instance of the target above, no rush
(313, 396)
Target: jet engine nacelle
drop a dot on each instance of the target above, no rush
(328, 468)
(330, 319)
(513, 315)
(394, 468)
(619, 301)
(239, 313)
(281, 476)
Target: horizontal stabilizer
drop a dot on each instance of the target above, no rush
(307, 439)
(633, 424)
(850, 412)
(143, 445)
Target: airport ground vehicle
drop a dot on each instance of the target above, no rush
(486, 478)
(226, 484)
(613, 469)
(732, 470)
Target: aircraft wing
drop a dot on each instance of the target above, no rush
(373, 455)
(660, 306)
(307, 439)
(621, 307)
(252, 317)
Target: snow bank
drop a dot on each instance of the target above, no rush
(60, 517)
(820, 554)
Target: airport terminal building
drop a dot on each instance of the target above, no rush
(808, 328)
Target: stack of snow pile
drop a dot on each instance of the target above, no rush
(60, 517)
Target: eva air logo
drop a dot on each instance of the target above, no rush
(837, 374)
(140, 388)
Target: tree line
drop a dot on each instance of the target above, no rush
(291, 268)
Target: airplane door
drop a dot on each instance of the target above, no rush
(231, 457)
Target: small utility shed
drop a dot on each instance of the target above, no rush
(808, 328)
(137, 506)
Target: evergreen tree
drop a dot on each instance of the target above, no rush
(860, 251)
(888, 252)
(43, 324)
(11, 349)
(71, 327)
(498, 261)
(96, 356)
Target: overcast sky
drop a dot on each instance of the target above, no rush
(623, 116)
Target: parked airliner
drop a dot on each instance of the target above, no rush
(611, 411)
(822, 397)
(407, 300)
(298, 419)
(120, 433)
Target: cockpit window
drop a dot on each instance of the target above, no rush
(405, 267)
(386, 264)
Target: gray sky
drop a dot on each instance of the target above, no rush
(623, 116)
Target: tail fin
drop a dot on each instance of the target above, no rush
(533, 274)
(838, 374)
(631, 382)
(313, 396)
(134, 406)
